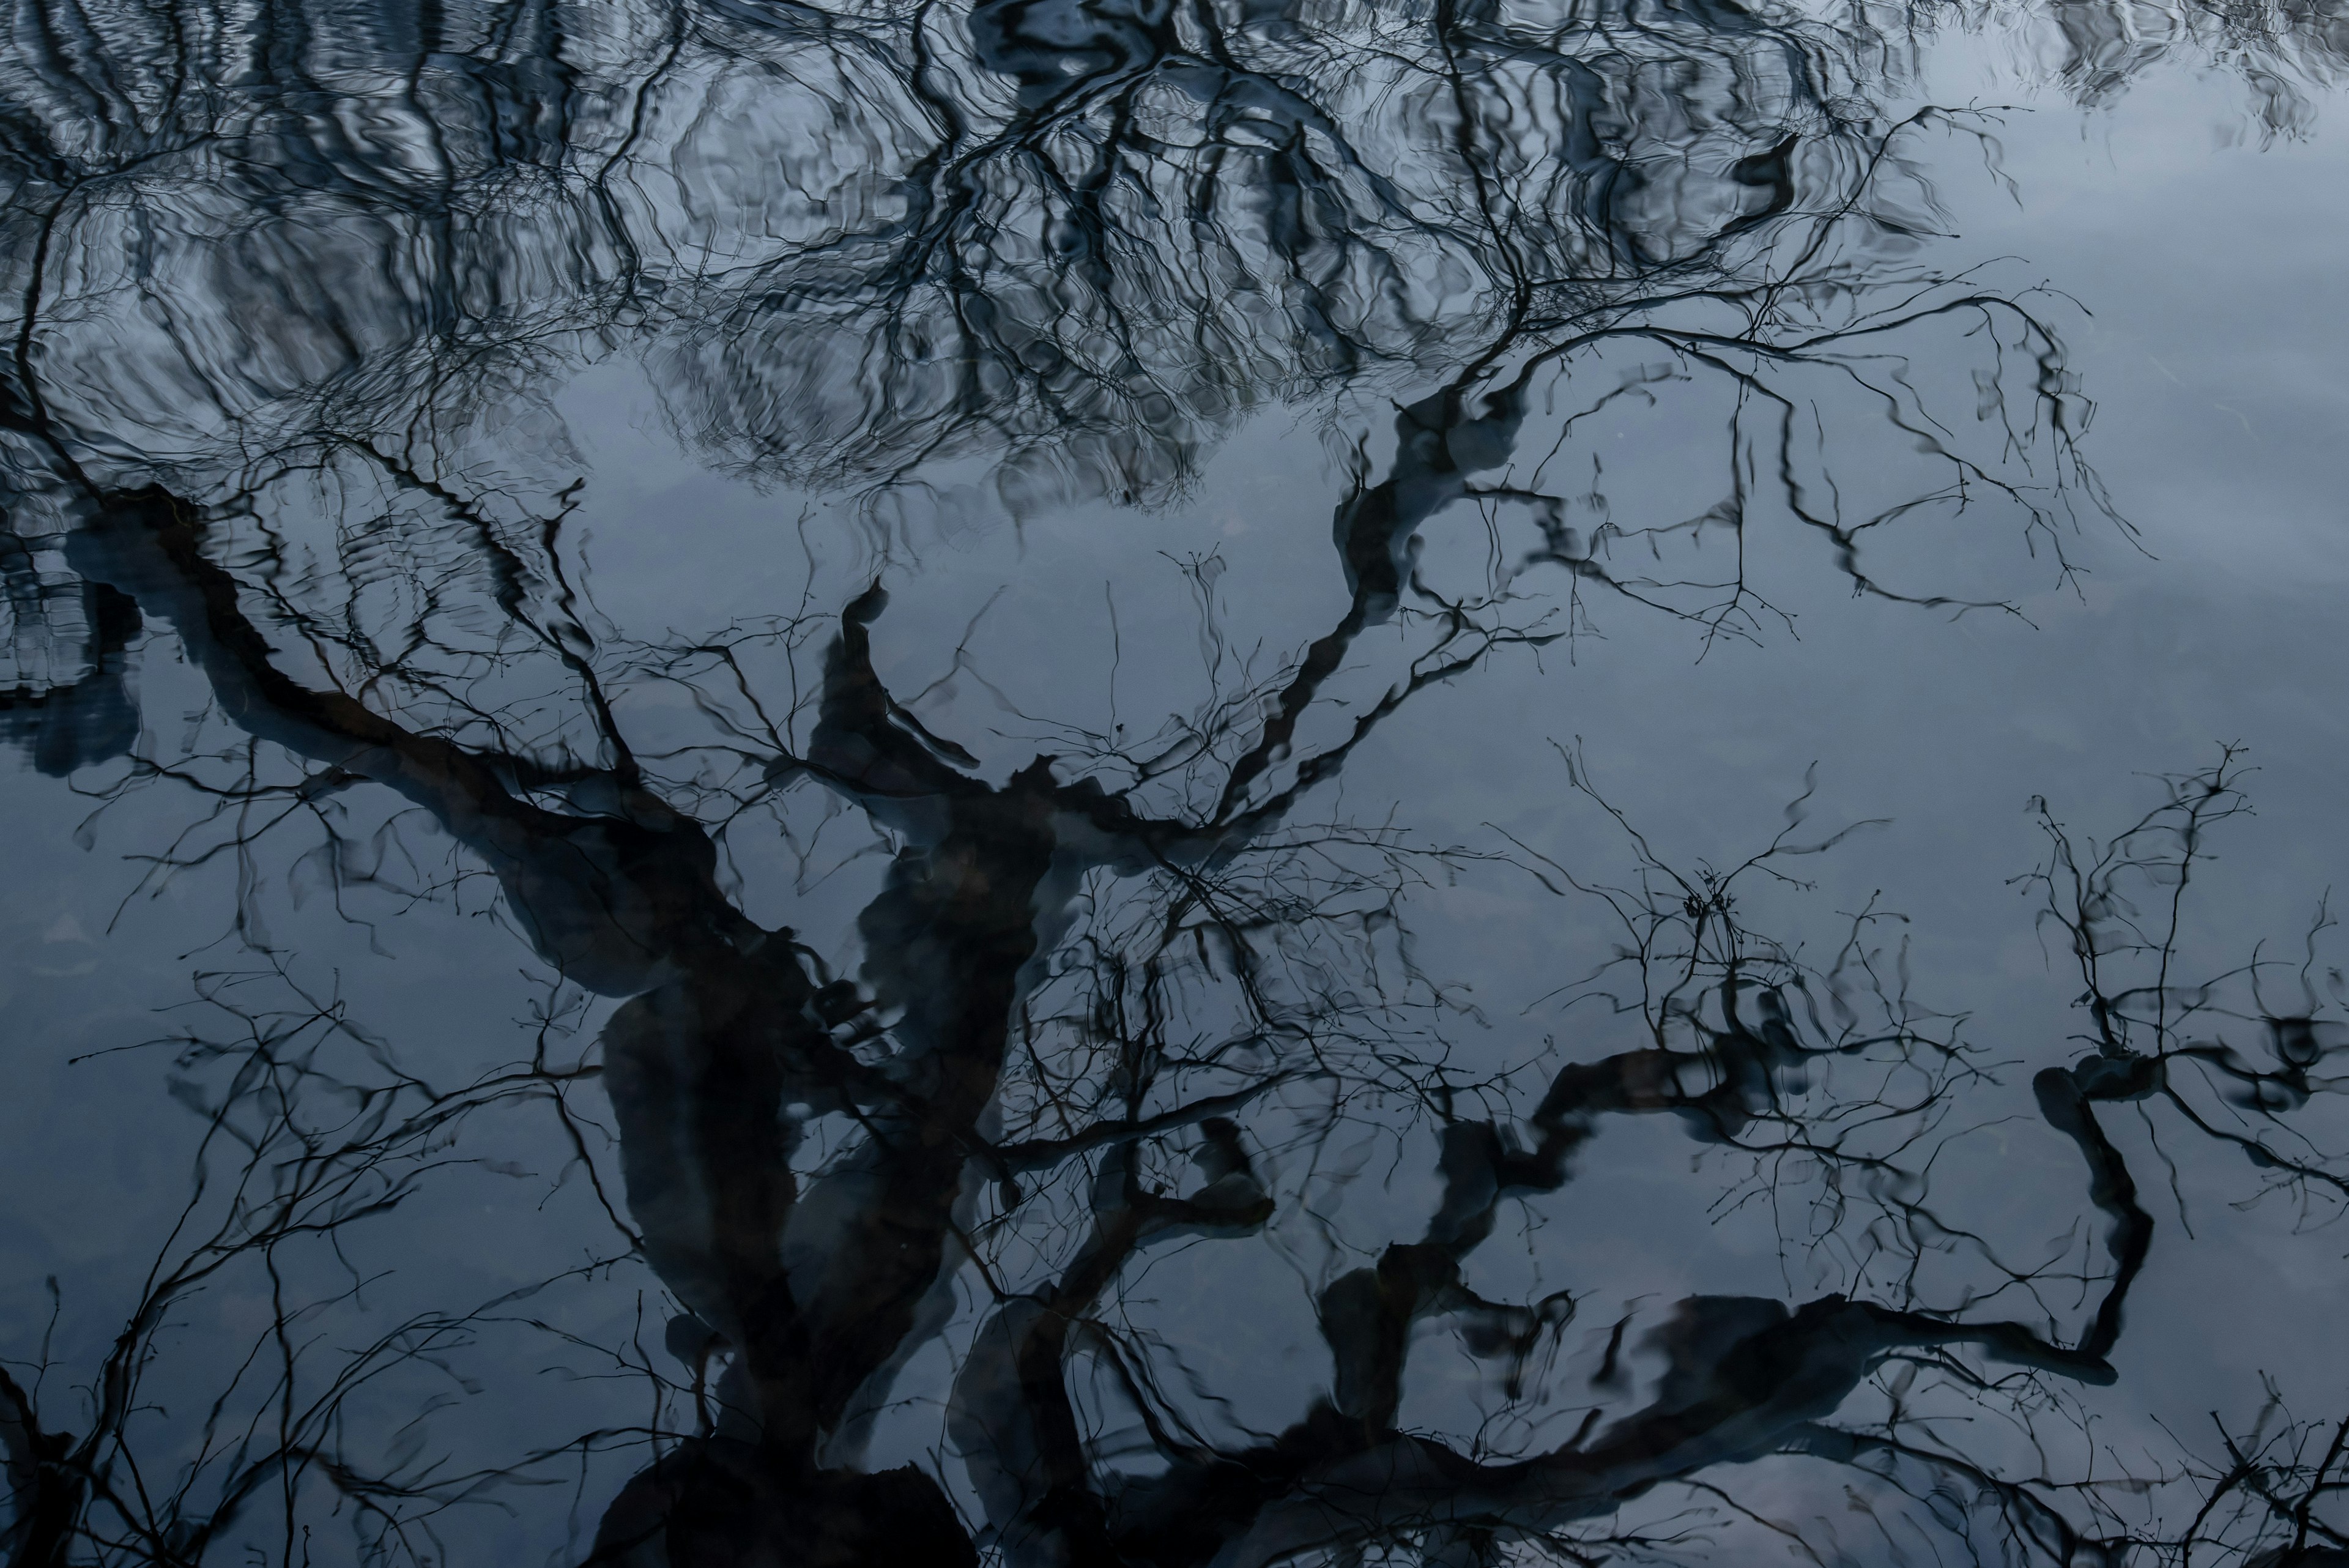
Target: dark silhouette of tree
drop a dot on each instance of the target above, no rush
(276, 269)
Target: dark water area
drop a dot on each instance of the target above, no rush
(1186, 783)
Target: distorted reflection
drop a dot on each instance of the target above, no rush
(956, 1125)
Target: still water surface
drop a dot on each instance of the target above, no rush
(1174, 781)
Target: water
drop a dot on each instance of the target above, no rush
(1232, 784)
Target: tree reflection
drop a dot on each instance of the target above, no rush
(311, 1128)
(1080, 244)
(1128, 997)
(1143, 1118)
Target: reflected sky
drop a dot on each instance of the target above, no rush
(1107, 783)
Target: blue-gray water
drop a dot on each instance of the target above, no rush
(1240, 783)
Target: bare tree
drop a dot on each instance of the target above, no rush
(1101, 1001)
